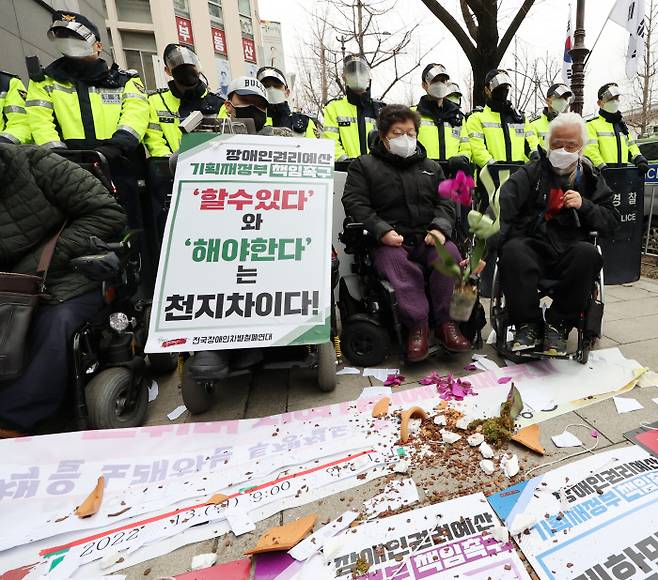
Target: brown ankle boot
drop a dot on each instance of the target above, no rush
(417, 343)
(452, 339)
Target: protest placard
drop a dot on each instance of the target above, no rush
(446, 540)
(596, 518)
(246, 253)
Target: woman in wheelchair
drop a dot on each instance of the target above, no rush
(39, 193)
(393, 191)
(549, 207)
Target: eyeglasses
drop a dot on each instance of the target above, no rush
(570, 146)
(397, 133)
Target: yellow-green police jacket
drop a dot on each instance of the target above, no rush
(444, 142)
(162, 134)
(341, 123)
(504, 140)
(540, 127)
(13, 120)
(112, 105)
(608, 145)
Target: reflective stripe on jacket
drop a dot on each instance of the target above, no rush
(13, 120)
(341, 124)
(492, 139)
(58, 112)
(607, 145)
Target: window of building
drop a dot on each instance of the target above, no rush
(246, 27)
(215, 11)
(134, 11)
(140, 48)
(244, 7)
(182, 8)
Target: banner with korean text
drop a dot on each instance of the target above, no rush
(246, 253)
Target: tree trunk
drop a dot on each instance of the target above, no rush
(482, 65)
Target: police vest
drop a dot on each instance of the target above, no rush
(61, 111)
(163, 134)
(342, 123)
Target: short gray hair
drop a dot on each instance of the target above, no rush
(563, 120)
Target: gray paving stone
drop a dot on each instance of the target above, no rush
(604, 417)
(644, 352)
(632, 329)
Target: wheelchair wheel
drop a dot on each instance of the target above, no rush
(163, 363)
(107, 400)
(326, 354)
(364, 343)
(197, 396)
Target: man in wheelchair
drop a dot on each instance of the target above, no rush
(549, 208)
(41, 194)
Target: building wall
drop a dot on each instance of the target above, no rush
(23, 26)
(272, 45)
(140, 30)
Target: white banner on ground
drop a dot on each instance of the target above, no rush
(155, 470)
(246, 253)
(446, 540)
(595, 518)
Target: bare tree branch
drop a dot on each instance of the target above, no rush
(453, 27)
(469, 19)
(514, 27)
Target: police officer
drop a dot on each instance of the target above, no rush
(499, 132)
(247, 99)
(609, 141)
(278, 110)
(186, 93)
(349, 120)
(442, 126)
(78, 102)
(14, 127)
(558, 98)
(455, 94)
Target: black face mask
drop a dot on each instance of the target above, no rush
(252, 112)
(186, 75)
(500, 95)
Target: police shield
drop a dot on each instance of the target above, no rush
(623, 251)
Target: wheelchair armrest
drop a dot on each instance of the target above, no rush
(354, 236)
(98, 267)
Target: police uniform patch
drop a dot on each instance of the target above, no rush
(22, 93)
(111, 97)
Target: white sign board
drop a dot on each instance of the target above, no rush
(246, 252)
(595, 519)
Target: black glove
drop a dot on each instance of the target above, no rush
(111, 152)
(642, 165)
(534, 155)
(459, 163)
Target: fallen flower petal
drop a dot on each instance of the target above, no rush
(393, 380)
(93, 501)
(504, 380)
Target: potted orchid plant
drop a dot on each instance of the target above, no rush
(460, 191)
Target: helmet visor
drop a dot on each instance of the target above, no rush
(502, 78)
(181, 55)
(73, 27)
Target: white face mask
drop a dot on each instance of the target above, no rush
(611, 106)
(559, 105)
(357, 81)
(563, 159)
(438, 90)
(74, 47)
(402, 146)
(276, 96)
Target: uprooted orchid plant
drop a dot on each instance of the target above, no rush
(460, 190)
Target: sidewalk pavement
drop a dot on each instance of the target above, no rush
(630, 323)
